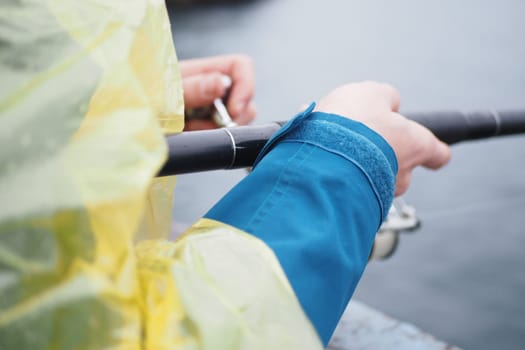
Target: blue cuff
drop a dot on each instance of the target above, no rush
(349, 139)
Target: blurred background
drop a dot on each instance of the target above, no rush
(461, 276)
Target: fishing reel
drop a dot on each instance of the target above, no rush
(401, 218)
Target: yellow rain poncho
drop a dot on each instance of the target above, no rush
(87, 91)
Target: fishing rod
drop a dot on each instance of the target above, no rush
(238, 147)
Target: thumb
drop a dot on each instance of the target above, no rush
(200, 90)
(436, 153)
(438, 156)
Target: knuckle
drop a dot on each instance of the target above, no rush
(243, 59)
(212, 85)
(371, 84)
(391, 90)
(381, 88)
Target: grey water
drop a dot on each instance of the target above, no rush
(461, 276)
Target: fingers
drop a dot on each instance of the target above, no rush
(201, 89)
(439, 155)
(375, 105)
(394, 97)
(196, 66)
(382, 92)
(222, 64)
(199, 124)
(417, 147)
(435, 153)
(247, 115)
(240, 69)
(402, 182)
(241, 95)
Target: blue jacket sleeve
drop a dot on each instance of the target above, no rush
(317, 195)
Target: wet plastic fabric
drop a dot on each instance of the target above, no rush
(231, 287)
(88, 89)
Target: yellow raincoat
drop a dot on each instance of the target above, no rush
(88, 89)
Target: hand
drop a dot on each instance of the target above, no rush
(203, 82)
(376, 106)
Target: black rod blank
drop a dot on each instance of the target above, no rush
(225, 148)
(452, 127)
(237, 147)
